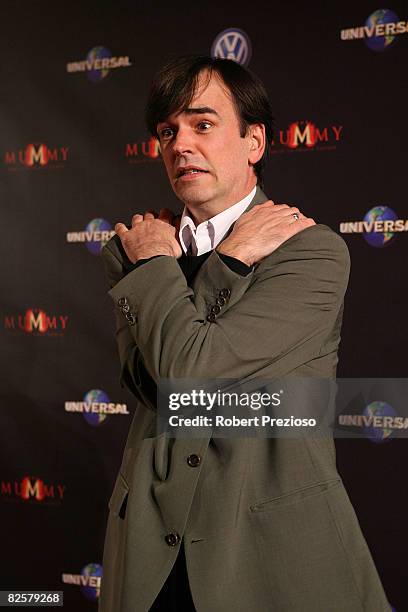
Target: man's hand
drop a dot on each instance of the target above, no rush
(261, 230)
(149, 236)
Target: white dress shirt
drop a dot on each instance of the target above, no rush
(208, 234)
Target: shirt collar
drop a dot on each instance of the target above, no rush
(209, 233)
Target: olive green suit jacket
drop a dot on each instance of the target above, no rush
(266, 522)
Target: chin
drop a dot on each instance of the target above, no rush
(193, 194)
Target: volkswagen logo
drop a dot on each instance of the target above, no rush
(233, 44)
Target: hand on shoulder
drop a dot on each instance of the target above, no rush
(261, 230)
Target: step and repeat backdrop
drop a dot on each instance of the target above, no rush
(76, 157)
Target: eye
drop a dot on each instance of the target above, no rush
(166, 133)
(204, 126)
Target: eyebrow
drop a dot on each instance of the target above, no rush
(202, 110)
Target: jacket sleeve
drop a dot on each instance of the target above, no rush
(127, 348)
(287, 306)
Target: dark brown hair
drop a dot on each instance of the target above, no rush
(174, 86)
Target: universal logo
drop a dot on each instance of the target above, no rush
(379, 422)
(379, 32)
(96, 407)
(98, 63)
(89, 580)
(380, 226)
(96, 234)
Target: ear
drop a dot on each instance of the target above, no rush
(257, 142)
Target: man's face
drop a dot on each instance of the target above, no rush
(206, 158)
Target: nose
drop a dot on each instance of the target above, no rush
(183, 142)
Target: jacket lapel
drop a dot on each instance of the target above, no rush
(259, 198)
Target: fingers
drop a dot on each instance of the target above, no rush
(136, 219)
(270, 206)
(269, 215)
(287, 213)
(149, 215)
(121, 229)
(263, 206)
(278, 212)
(290, 213)
(293, 215)
(309, 221)
(300, 225)
(165, 215)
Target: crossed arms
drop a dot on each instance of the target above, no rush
(278, 317)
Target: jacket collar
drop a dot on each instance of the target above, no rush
(259, 198)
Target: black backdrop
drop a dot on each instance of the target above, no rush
(57, 331)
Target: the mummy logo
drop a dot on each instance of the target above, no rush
(35, 156)
(143, 151)
(301, 136)
(37, 322)
(32, 489)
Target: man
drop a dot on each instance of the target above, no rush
(242, 289)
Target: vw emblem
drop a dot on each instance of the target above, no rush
(232, 44)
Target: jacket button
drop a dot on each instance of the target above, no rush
(122, 301)
(225, 293)
(193, 460)
(221, 301)
(216, 309)
(125, 308)
(130, 318)
(172, 539)
(211, 317)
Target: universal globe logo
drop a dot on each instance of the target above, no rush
(379, 31)
(95, 397)
(89, 580)
(380, 428)
(379, 226)
(101, 231)
(379, 422)
(379, 20)
(233, 44)
(98, 63)
(95, 58)
(97, 233)
(384, 217)
(92, 589)
(96, 407)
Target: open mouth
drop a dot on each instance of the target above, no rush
(189, 171)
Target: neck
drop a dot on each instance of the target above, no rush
(207, 210)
